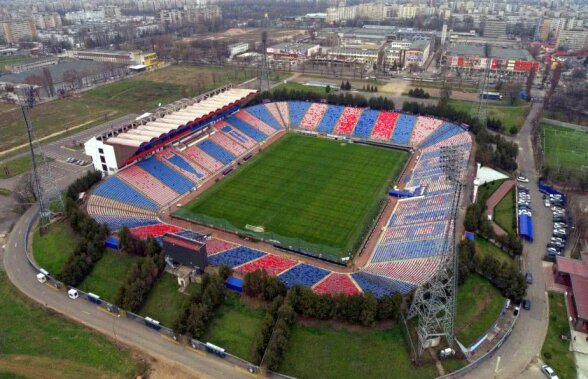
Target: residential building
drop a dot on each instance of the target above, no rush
(494, 28)
(294, 50)
(357, 54)
(237, 48)
(574, 39)
(19, 30)
(407, 11)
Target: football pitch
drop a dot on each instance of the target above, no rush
(312, 194)
(564, 147)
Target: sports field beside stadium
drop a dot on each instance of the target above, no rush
(564, 147)
(310, 193)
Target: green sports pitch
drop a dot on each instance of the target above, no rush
(564, 147)
(310, 194)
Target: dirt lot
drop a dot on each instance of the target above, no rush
(250, 35)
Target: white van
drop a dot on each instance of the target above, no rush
(73, 294)
(41, 277)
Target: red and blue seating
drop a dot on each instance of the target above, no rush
(262, 113)
(313, 116)
(235, 257)
(235, 135)
(216, 152)
(151, 187)
(201, 158)
(255, 122)
(280, 112)
(380, 286)
(347, 121)
(384, 126)
(366, 123)
(336, 283)
(228, 144)
(172, 178)
(330, 119)
(246, 129)
(155, 230)
(297, 110)
(117, 189)
(272, 264)
(303, 275)
(214, 246)
(403, 129)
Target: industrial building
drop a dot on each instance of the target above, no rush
(474, 57)
(294, 50)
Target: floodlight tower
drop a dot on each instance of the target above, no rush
(264, 84)
(480, 110)
(435, 303)
(44, 185)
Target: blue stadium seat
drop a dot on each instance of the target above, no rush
(447, 130)
(247, 129)
(365, 124)
(115, 223)
(380, 286)
(261, 112)
(180, 162)
(116, 189)
(403, 129)
(303, 275)
(330, 119)
(235, 257)
(166, 175)
(216, 151)
(297, 110)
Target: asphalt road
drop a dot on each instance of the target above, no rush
(519, 356)
(123, 330)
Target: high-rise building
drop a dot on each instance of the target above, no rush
(494, 28)
(574, 39)
(19, 30)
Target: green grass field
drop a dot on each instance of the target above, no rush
(14, 59)
(509, 115)
(52, 249)
(164, 302)
(329, 352)
(555, 352)
(504, 212)
(306, 192)
(35, 343)
(486, 248)
(564, 147)
(17, 166)
(235, 326)
(486, 190)
(478, 306)
(108, 274)
(139, 94)
(293, 86)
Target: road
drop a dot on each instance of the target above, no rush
(123, 330)
(519, 356)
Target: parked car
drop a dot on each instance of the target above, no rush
(547, 203)
(522, 179)
(527, 304)
(548, 371)
(529, 277)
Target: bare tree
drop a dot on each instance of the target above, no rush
(71, 77)
(24, 192)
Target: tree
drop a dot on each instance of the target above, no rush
(555, 79)
(512, 92)
(49, 80)
(24, 192)
(444, 95)
(71, 77)
(530, 81)
(328, 89)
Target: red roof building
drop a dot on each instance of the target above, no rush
(573, 273)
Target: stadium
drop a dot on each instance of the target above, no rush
(340, 199)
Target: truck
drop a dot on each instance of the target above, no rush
(491, 96)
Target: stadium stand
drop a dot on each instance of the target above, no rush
(117, 189)
(347, 121)
(214, 246)
(303, 275)
(147, 184)
(423, 128)
(114, 223)
(337, 283)
(255, 122)
(235, 135)
(167, 175)
(272, 264)
(235, 256)
(366, 123)
(313, 116)
(330, 119)
(280, 112)
(403, 129)
(262, 113)
(216, 151)
(384, 126)
(446, 130)
(297, 110)
(396, 250)
(184, 166)
(154, 230)
(228, 144)
(246, 129)
(109, 206)
(413, 271)
(200, 157)
(380, 286)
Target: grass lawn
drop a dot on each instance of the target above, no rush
(486, 248)
(34, 342)
(504, 212)
(509, 115)
(555, 352)
(52, 249)
(292, 86)
(330, 352)
(17, 166)
(235, 326)
(14, 59)
(164, 302)
(5, 192)
(104, 103)
(308, 192)
(564, 147)
(485, 191)
(108, 274)
(478, 306)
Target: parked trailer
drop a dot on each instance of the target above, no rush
(93, 298)
(491, 96)
(151, 323)
(216, 350)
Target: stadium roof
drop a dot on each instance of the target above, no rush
(159, 127)
(495, 52)
(577, 269)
